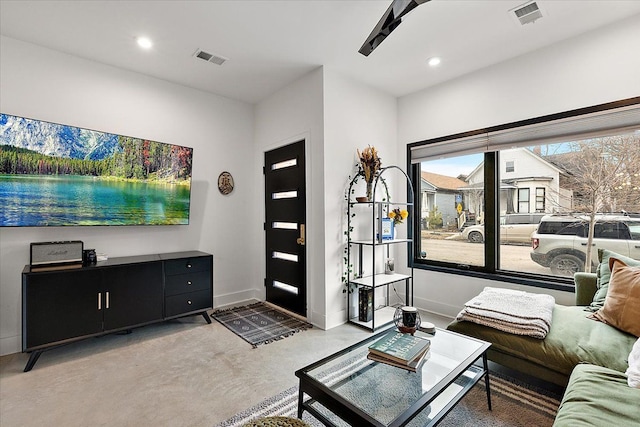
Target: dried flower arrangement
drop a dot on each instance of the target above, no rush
(370, 165)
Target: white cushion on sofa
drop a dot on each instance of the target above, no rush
(633, 372)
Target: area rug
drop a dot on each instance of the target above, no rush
(514, 403)
(259, 323)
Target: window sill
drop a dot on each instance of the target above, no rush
(557, 284)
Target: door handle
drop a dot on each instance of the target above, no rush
(300, 240)
(106, 294)
(584, 244)
(99, 300)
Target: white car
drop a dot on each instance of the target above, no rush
(560, 242)
(514, 228)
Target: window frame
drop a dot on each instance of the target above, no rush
(491, 202)
(541, 199)
(510, 166)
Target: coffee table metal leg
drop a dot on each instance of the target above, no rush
(486, 379)
(300, 407)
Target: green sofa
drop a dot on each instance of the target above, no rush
(587, 356)
(572, 339)
(598, 396)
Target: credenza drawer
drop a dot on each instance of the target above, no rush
(186, 303)
(191, 282)
(187, 265)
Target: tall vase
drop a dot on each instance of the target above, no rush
(369, 190)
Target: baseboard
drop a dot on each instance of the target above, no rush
(290, 313)
(435, 307)
(237, 304)
(10, 345)
(234, 298)
(335, 319)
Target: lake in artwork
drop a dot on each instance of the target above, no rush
(31, 200)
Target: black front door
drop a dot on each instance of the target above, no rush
(285, 217)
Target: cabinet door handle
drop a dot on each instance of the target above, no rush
(189, 265)
(99, 300)
(107, 299)
(189, 302)
(189, 283)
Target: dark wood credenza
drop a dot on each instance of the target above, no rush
(60, 306)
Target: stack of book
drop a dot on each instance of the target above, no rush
(402, 350)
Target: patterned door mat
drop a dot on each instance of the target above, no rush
(259, 323)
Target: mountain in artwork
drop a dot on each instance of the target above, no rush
(57, 140)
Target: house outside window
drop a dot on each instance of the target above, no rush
(553, 179)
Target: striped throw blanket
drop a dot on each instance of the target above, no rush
(517, 312)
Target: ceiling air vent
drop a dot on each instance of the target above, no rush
(526, 13)
(210, 57)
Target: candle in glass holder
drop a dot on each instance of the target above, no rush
(409, 316)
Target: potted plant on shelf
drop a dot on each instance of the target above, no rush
(369, 166)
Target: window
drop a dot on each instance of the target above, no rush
(523, 200)
(634, 230)
(443, 196)
(611, 230)
(481, 216)
(510, 166)
(540, 192)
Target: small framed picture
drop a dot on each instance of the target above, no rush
(387, 229)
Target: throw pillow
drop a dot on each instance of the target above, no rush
(622, 305)
(603, 273)
(633, 373)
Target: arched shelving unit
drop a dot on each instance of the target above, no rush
(368, 283)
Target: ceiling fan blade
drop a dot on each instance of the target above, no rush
(389, 22)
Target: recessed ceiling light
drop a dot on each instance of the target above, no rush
(144, 42)
(435, 61)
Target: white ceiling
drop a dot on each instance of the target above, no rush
(272, 43)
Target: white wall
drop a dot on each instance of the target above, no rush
(43, 84)
(289, 115)
(597, 67)
(335, 115)
(355, 115)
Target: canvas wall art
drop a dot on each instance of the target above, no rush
(59, 175)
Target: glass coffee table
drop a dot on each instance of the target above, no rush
(346, 388)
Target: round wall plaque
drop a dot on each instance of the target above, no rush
(225, 183)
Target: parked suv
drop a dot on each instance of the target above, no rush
(560, 241)
(515, 228)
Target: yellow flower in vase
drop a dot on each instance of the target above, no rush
(398, 215)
